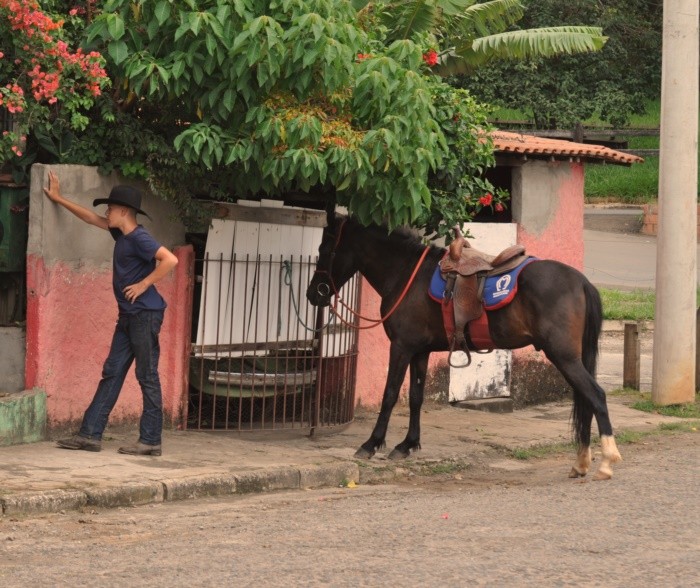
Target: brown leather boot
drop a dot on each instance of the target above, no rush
(139, 448)
(80, 442)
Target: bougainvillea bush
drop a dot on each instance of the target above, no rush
(46, 85)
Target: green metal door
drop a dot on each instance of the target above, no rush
(14, 212)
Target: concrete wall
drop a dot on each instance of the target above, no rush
(71, 311)
(12, 344)
(547, 204)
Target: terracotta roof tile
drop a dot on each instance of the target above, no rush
(517, 143)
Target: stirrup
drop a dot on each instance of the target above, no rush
(465, 349)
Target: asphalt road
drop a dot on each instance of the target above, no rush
(521, 524)
(616, 255)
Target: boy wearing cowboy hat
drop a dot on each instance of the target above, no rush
(139, 261)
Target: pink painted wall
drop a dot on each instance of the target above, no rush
(71, 311)
(558, 200)
(373, 355)
(548, 207)
(373, 352)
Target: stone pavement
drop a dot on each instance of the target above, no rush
(39, 477)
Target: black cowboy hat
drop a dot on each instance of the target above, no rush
(123, 196)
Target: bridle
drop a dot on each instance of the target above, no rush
(324, 289)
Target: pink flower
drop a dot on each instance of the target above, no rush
(73, 11)
(499, 207)
(2, 55)
(486, 199)
(431, 57)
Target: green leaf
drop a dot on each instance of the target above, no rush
(118, 51)
(115, 26)
(529, 43)
(162, 11)
(178, 68)
(195, 22)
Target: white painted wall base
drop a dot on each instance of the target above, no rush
(488, 376)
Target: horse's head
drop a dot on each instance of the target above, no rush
(335, 264)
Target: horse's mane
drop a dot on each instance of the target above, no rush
(407, 238)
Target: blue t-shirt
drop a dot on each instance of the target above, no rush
(134, 259)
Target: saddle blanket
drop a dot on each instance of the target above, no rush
(498, 290)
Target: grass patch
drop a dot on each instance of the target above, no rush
(539, 451)
(621, 437)
(510, 114)
(638, 184)
(628, 437)
(442, 468)
(630, 305)
(684, 427)
(684, 411)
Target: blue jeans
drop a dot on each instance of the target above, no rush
(135, 338)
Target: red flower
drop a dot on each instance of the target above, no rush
(361, 56)
(431, 57)
(486, 199)
(499, 207)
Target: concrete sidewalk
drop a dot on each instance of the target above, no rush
(40, 478)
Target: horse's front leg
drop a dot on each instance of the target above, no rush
(398, 364)
(419, 368)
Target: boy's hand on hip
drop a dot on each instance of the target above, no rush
(134, 291)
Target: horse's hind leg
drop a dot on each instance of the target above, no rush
(419, 368)
(582, 418)
(398, 364)
(589, 398)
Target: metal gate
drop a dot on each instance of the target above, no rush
(264, 358)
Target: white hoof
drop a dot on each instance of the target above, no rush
(611, 455)
(583, 463)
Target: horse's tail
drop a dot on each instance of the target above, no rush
(583, 411)
(592, 327)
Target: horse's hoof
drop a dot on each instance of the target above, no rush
(363, 453)
(574, 473)
(398, 454)
(603, 474)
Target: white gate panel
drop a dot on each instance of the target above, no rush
(488, 376)
(255, 280)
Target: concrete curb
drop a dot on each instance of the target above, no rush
(135, 493)
(613, 326)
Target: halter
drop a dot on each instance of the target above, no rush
(325, 291)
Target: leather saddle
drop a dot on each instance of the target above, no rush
(465, 270)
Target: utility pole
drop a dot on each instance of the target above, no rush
(673, 368)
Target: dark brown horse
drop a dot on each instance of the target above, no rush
(556, 309)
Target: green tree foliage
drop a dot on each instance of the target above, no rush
(564, 90)
(470, 34)
(285, 96)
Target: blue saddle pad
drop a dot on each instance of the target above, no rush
(498, 290)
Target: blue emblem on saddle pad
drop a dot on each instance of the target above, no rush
(498, 290)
